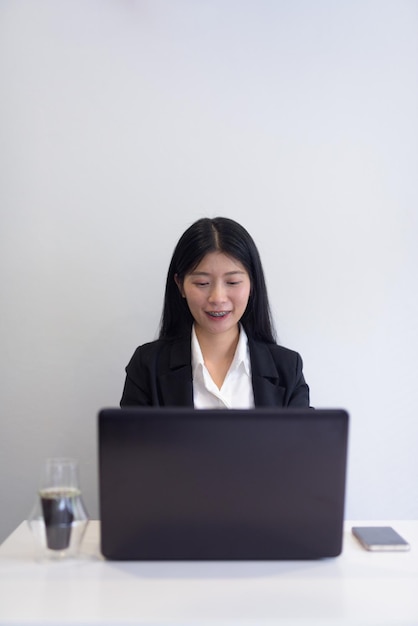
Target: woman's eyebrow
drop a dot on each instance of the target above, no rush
(226, 273)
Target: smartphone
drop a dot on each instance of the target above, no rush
(379, 538)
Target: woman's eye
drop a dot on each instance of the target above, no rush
(234, 282)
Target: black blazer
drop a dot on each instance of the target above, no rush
(160, 374)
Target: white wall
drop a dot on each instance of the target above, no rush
(123, 121)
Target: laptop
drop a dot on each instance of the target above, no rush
(186, 484)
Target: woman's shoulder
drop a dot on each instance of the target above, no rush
(147, 352)
(150, 348)
(275, 349)
(283, 351)
(283, 358)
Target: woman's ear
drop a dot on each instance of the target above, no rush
(179, 284)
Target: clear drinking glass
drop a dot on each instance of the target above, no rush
(59, 519)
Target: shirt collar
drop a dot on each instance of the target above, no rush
(197, 356)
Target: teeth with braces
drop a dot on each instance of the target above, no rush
(218, 313)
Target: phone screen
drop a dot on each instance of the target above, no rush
(379, 538)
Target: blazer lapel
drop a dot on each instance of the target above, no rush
(266, 383)
(175, 376)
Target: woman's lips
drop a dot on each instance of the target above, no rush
(217, 314)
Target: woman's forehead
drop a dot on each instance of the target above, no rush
(218, 262)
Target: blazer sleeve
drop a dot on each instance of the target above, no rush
(140, 381)
(299, 390)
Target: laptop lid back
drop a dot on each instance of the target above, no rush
(181, 484)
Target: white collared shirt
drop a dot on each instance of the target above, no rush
(236, 391)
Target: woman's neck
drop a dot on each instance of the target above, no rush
(218, 351)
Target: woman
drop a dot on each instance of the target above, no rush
(216, 346)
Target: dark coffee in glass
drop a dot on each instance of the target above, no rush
(58, 513)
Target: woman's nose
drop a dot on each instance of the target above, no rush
(217, 293)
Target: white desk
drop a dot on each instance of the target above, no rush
(358, 588)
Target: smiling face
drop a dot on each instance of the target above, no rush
(217, 293)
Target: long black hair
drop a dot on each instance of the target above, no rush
(220, 234)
